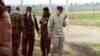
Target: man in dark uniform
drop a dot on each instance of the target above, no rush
(45, 41)
(17, 25)
(28, 40)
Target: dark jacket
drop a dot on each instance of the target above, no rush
(29, 25)
(45, 17)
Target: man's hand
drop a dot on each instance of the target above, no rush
(49, 35)
(65, 16)
(44, 22)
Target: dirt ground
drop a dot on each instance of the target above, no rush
(75, 33)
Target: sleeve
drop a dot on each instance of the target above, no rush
(21, 22)
(36, 24)
(47, 17)
(50, 24)
(24, 22)
(64, 23)
(41, 21)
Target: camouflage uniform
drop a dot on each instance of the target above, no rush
(17, 25)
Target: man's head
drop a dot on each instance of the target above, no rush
(8, 9)
(59, 10)
(17, 8)
(45, 10)
(29, 9)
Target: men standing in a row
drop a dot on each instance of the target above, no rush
(45, 41)
(17, 25)
(28, 40)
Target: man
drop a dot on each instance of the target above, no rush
(45, 41)
(17, 25)
(55, 32)
(8, 9)
(28, 40)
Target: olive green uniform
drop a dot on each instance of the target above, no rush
(17, 25)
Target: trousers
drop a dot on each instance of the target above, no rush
(57, 46)
(28, 44)
(15, 43)
(45, 45)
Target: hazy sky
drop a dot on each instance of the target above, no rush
(31, 2)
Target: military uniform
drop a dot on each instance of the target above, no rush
(45, 41)
(28, 39)
(55, 27)
(17, 25)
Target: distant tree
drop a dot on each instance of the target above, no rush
(97, 3)
(33, 5)
(71, 4)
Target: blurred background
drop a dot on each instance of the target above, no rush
(83, 27)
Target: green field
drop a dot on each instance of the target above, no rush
(95, 46)
(95, 16)
(92, 16)
(37, 12)
(86, 19)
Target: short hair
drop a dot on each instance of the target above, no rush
(8, 6)
(29, 7)
(60, 8)
(46, 9)
(17, 8)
